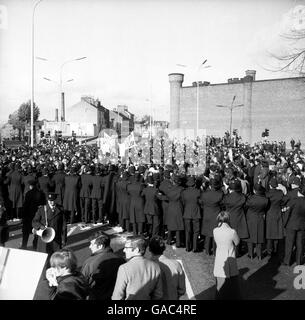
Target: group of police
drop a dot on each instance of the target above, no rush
(262, 188)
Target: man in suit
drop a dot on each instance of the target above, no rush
(295, 228)
(139, 278)
(33, 199)
(101, 267)
(85, 191)
(173, 276)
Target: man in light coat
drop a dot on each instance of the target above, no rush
(173, 276)
(139, 278)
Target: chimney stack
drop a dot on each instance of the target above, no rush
(56, 115)
(62, 107)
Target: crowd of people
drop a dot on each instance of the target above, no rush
(260, 188)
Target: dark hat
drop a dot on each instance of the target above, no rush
(141, 169)
(273, 182)
(216, 184)
(259, 188)
(44, 171)
(125, 175)
(150, 180)
(61, 166)
(265, 163)
(52, 196)
(296, 181)
(131, 170)
(167, 174)
(32, 182)
(190, 181)
(137, 176)
(235, 185)
(177, 179)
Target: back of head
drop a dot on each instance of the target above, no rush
(138, 242)
(100, 239)
(223, 217)
(157, 245)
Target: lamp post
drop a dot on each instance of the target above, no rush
(33, 68)
(197, 91)
(231, 108)
(60, 85)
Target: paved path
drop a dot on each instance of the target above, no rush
(264, 280)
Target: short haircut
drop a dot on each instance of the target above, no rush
(102, 240)
(64, 258)
(223, 217)
(138, 242)
(157, 245)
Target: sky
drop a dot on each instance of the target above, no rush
(132, 46)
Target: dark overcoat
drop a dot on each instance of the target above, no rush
(152, 202)
(124, 208)
(97, 190)
(274, 216)
(174, 219)
(14, 180)
(211, 201)
(86, 185)
(136, 209)
(296, 214)
(257, 206)
(101, 270)
(25, 182)
(234, 203)
(59, 180)
(165, 185)
(55, 220)
(46, 185)
(71, 197)
(190, 200)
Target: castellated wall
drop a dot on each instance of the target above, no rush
(278, 105)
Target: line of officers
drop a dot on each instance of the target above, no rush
(179, 207)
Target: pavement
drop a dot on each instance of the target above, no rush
(259, 280)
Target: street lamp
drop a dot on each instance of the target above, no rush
(60, 85)
(33, 67)
(197, 93)
(231, 107)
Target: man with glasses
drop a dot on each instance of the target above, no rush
(139, 278)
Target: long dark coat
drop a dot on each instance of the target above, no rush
(25, 182)
(152, 202)
(71, 197)
(97, 190)
(32, 201)
(86, 185)
(234, 203)
(174, 217)
(14, 180)
(136, 209)
(124, 208)
(59, 180)
(257, 206)
(296, 214)
(211, 201)
(274, 217)
(190, 198)
(55, 221)
(165, 185)
(109, 193)
(46, 185)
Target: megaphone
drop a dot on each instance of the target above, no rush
(47, 234)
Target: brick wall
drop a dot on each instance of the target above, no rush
(278, 105)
